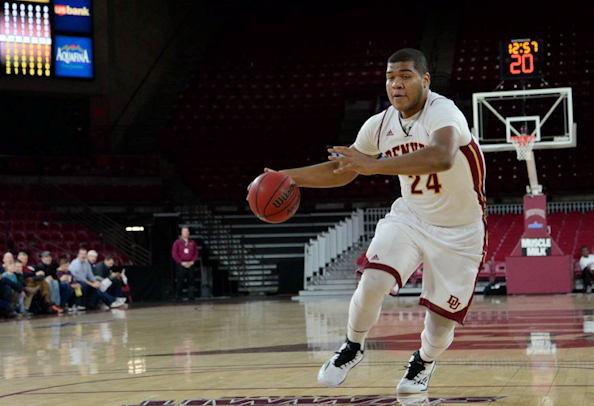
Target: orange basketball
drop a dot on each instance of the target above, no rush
(274, 197)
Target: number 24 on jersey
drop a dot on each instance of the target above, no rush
(431, 184)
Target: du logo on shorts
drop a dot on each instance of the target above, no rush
(454, 302)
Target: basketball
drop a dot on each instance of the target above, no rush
(274, 197)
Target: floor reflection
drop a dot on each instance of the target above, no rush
(44, 347)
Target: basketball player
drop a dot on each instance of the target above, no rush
(439, 221)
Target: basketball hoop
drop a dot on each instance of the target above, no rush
(523, 145)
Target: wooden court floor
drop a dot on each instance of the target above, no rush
(529, 350)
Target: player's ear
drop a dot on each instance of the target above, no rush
(426, 78)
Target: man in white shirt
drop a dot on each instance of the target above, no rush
(82, 273)
(586, 265)
(439, 221)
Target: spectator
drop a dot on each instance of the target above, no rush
(586, 265)
(91, 287)
(32, 289)
(6, 297)
(104, 272)
(7, 286)
(7, 259)
(18, 297)
(72, 287)
(47, 269)
(101, 270)
(184, 253)
(24, 258)
(35, 278)
(92, 258)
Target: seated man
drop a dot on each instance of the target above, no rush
(91, 287)
(105, 273)
(19, 293)
(48, 270)
(6, 297)
(37, 278)
(39, 287)
(24, 258)
(69, 288)
(92, 257)
(586, 265)
(7, 286)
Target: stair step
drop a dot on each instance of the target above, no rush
(256, 289)
(254, 267)
(322, 293)
(248, 284)
(244, 279)
(344, 286)
(295, 255)
(350, 281)
(252, 272)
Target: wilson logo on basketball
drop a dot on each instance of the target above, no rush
(279, 201)
(454, 302)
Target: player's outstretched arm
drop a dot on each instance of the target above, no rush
(323, 175)
(438, 156)
(320, 175)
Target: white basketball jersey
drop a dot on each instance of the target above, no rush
(450, 198)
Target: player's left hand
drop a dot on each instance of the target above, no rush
(351, 160)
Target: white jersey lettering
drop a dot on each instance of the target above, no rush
(450, 198)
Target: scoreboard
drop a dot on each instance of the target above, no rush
(47, 38)
(522, 59)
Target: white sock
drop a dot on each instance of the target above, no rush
(366, 303)
(437, 336)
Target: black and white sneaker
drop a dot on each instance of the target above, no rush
(335, 370)
(418, 373)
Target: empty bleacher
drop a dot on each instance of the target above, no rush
(28, 224)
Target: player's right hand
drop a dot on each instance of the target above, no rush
(266, 170)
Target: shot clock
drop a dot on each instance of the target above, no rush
(522, 59)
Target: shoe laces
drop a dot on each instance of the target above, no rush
(415, 367)
(346, 355)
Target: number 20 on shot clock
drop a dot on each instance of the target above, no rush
(522, 59)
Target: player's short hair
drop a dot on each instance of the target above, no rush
(584, 246)
(64, 261)
(18, 261)
(108, 257)
(81, 249)
(411, 55)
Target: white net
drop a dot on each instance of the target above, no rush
(523, 145)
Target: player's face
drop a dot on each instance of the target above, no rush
(407, 89)
(585, 252)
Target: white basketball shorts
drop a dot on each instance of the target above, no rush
(451, 257)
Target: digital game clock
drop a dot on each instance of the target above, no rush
(521, 59)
